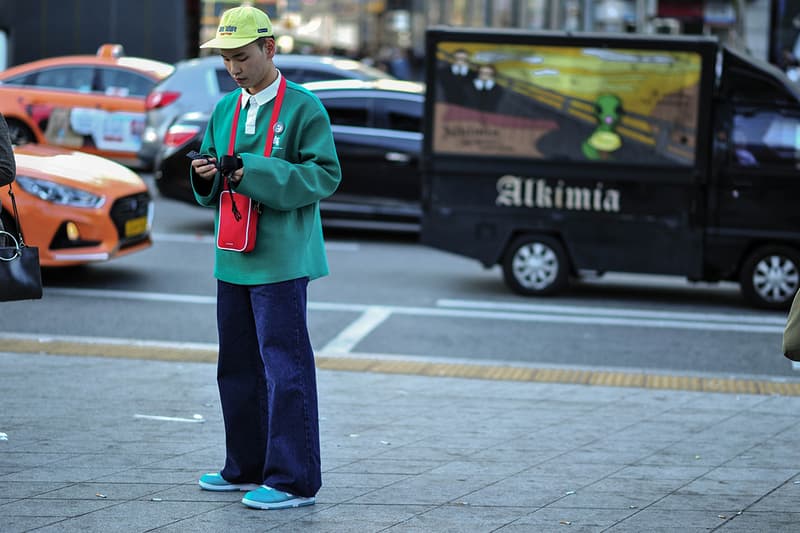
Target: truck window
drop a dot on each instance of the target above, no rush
(766, 138)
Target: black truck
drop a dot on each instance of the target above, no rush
(557, 154)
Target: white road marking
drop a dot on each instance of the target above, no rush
(112, 341)
(183, 237)
(544, 314)
(171, 418)
(635, 313)
(333, 246)
(131, 295)
(347, 339)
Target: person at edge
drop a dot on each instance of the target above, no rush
(8, 168)
(266, 372)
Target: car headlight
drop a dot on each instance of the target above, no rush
(59, 194)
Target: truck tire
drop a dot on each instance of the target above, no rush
(535, 265)
(770, 276)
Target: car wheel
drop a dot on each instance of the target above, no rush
(770, 277)
(20, 133)
(535, 265)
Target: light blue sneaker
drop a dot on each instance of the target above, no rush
(265, 497)
(217, 483)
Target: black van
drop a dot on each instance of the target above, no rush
(553, 154)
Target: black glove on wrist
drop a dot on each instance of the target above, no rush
(228, 164)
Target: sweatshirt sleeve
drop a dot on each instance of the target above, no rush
(206, 192)
(8, 167)
(283, 185)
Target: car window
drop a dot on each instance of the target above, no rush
(399, 114)
(224, 80)
(305, 75)
(293, 74)
(766, 138)
(119, 82)
(68, 78)
(349, 111)
(21, 79)
(316, 75)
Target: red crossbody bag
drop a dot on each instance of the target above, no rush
(238, 214)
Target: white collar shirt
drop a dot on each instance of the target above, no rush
(262, 97)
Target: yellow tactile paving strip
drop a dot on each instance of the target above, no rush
(422, 368)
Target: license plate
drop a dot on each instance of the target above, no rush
(135, 226)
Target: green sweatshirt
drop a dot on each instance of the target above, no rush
(302, 170)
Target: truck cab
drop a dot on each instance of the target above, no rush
(553, 154)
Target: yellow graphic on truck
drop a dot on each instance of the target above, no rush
(567, 103)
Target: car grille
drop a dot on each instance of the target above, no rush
(128, 208)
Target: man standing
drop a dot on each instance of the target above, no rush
(284, 159)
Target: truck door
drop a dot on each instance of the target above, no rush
(756, 223)
(759, 180)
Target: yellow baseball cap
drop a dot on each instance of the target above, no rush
(240, 26)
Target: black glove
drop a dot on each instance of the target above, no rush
(228, 164)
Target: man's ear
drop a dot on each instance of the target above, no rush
(270, 47)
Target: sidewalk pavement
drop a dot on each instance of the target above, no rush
(99, 444)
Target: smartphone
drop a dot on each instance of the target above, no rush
(194, 154)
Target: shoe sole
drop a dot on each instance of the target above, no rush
(232, 487)
(288, 504)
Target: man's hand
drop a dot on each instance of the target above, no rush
(205, 168)
(236, 177)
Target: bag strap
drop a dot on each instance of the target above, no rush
(276, 111)
(16, 215)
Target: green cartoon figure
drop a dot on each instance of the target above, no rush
(604, 139)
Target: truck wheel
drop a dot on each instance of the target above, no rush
(770, 276)
(20, 133)
(535, 266)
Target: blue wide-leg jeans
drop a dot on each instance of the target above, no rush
(267, 386)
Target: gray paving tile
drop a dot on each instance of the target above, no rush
(382, 465)
(784, 498)
(335, 480)
(719, 503)
(21, 524)
(236, 517)
(589, 498)
(66, 507)
(101, 491)
(357, 518)
(147, 515)
(663, 521)
(553, 518)
(424, 489)
(57, 474)
(152, 475)
(772, 521)
(12, 461)
(458, 518)
(707, 485)
(25, 489)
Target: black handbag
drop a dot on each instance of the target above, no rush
(20, 273)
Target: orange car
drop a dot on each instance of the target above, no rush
(77, 207)
(95, 104)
